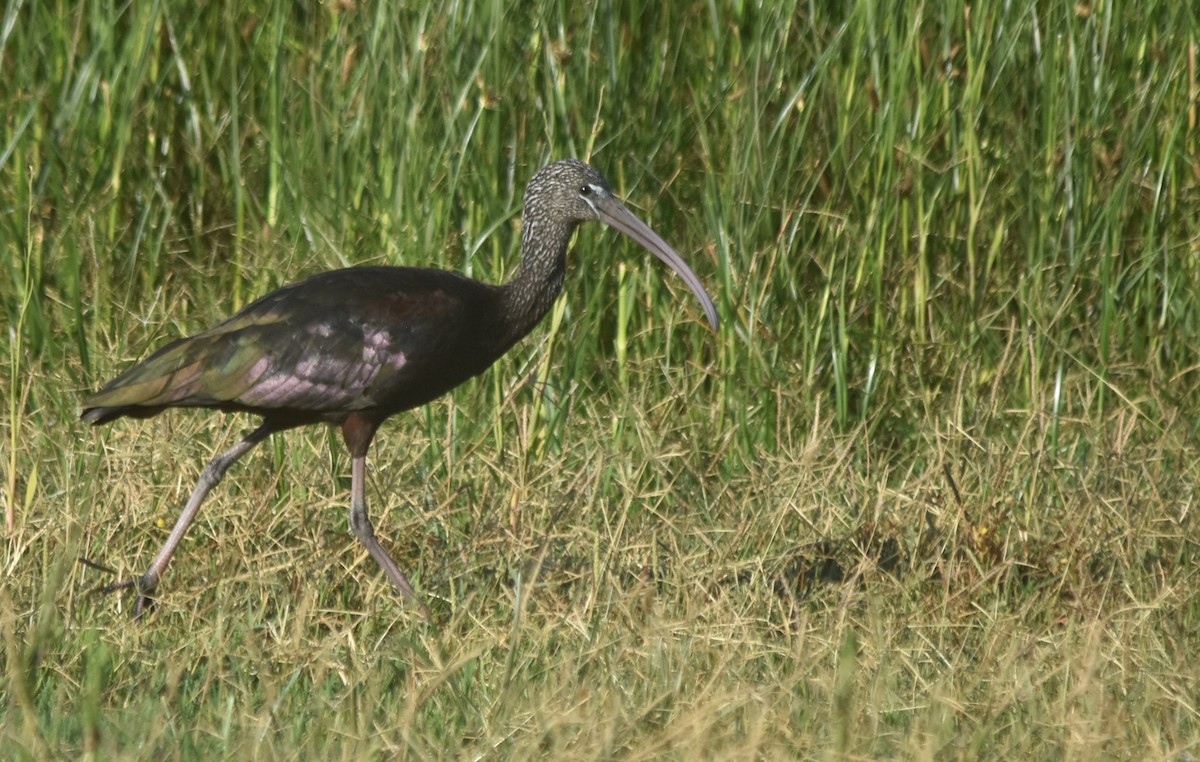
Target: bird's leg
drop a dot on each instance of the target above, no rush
(360, 522)
(209, 478)
(358, 435)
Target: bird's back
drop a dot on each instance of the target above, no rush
(362, 339)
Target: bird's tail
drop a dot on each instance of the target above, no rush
(169, 377)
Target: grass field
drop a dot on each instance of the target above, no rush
(930, 492)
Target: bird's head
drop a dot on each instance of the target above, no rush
(569, 192)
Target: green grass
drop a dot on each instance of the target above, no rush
(929, 493)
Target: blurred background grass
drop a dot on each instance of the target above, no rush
(929, 493)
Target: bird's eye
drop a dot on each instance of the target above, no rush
(585, 190)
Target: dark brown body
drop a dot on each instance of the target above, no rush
(369, 340)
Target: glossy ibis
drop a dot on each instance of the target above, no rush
(354, 346)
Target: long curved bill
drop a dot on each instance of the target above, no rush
(614, 214)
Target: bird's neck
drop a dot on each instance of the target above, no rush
(531, 293)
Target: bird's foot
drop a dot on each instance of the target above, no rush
(145, 601)
(144, 585)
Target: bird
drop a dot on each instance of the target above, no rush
(354, 346)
